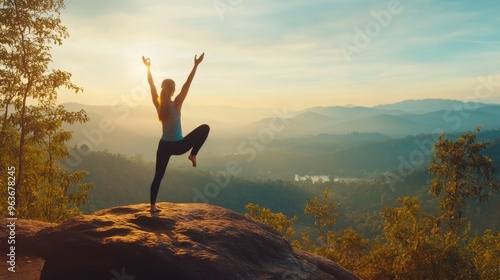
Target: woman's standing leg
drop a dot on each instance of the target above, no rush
(162, 157)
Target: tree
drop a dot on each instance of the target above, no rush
(486, 254)
(410, 233)
(324, 213)
(278, 221)
(415, 248)
(31, 133)
(346, 247)
(461, 172)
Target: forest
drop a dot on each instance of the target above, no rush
(355, 223)
(121, 180)
(397, 199)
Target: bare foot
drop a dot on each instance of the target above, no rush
(154, 210)
(192, 158)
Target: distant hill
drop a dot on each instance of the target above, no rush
(136, 130)
(385, 124)
(339, 113)
(429, 105)
(358, 155)
(409, 117)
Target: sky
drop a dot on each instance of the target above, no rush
(295, 54)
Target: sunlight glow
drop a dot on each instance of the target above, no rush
(267, 53)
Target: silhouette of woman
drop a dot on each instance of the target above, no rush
(169, 112)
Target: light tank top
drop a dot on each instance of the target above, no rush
(171, 128)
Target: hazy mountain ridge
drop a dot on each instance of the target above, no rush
(136, 130)
(408, 117)
(429, 105)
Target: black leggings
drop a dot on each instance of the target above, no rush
(194, 140)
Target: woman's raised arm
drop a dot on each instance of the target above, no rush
(185, 88)
(154, 93)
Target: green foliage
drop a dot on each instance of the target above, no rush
(324, 213)
(413, 244)
(346, 247)
(461, 172)
(31, 136)
(485, 252)
(416, 248)
(408, 226)
(276, 220)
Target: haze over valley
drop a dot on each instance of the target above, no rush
(282, 139)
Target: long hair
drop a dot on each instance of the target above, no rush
(167, 89)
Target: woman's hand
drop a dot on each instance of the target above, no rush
(198, 60)
(146, 61)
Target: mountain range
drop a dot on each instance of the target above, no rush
(136, 130)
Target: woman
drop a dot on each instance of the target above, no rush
(169, 113)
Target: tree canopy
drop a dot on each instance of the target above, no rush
(31, 133)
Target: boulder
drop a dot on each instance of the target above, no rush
(28, 266)
(183, 241)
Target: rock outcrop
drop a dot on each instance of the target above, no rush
(27, 264)
(184, 241)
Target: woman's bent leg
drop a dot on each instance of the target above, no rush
(196, 138)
